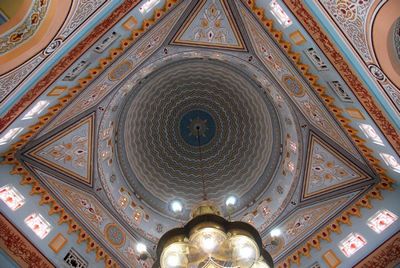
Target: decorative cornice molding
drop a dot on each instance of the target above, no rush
(386, 255)
(21, 250)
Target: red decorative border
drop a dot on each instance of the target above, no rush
(320, 37)
(19, 248)
(386, 255)
(65, 62)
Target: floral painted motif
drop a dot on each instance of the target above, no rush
(74, 151)
(26, 29)
(327, 170)
(211, 25)
(351, 17)
(298, 224)
(89, 209)
(69, 151)
(114, 235)
(210, 28)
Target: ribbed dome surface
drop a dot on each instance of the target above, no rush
(158, 150)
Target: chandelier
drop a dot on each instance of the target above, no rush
(210, 241)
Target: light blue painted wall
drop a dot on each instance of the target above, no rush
(6, 261)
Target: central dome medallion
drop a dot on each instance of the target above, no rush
(159, 125)
(197, 127)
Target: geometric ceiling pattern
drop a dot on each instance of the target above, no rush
(117, 145)
(328, 170)
(70, 151)
(298, 91)
(210, 25)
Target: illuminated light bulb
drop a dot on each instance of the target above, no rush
(246, 252)
(176, 206)
(276, 232)
(208, 243)
(141, 248)
(231, 201)
(173, 261)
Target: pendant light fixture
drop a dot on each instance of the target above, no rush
(210, 241)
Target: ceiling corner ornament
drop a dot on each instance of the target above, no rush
(211, 24)
(95, 217)
(328, 170)
(300, 92)
(127, 63)
(302, 220)
(70, 151)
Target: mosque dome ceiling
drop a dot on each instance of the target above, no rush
(157, 98)
(239, 131)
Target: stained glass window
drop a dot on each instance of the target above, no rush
(38, 224)
(381, 220)
(12, 197)
(352, 243)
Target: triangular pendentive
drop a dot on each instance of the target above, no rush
(327, 170)
(304, 221)
(211, 24)
(70, 151)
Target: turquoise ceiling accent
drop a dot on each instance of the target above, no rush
(197, 127)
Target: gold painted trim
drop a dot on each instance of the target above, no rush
(58, 242)
(331, 259)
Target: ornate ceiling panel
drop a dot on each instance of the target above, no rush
(126, 64)
(69, 151)
(211, 25)
(328, 170)
(19, 85)
(295, 86)
(366, 30)
(49, 26)
(379, 109)
(25, 28)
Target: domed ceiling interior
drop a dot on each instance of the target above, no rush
(134, 105)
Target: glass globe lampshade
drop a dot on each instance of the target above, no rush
(210, 241)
